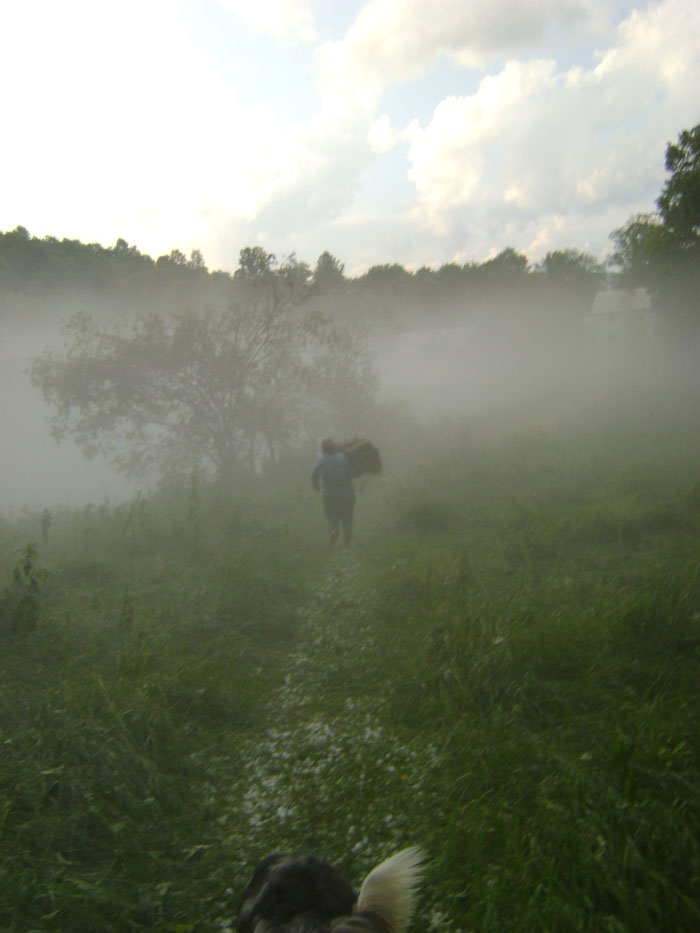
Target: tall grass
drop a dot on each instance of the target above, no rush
(504, 670)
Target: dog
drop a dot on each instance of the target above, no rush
(303, 894)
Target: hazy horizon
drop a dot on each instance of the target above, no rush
(512, 369)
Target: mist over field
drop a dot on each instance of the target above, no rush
(517, 361)
(35, 470)
(472, 370)
(350, 466)
(498, 663)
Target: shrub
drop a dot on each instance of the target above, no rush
(20, 603)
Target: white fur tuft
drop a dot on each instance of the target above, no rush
(389, 889)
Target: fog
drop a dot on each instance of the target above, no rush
(518, 368)
(528, 371)
(35, 470)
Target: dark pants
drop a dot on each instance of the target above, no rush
(339, 512)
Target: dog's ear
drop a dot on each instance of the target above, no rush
(388, 892)
(250, 897)
(263, 869)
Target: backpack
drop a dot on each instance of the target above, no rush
(362, 455)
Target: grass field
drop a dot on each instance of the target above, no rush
(504, 670)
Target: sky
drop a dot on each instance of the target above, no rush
(413, 131)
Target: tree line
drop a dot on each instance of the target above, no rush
(222, 372)
(43, 270)
(658, 250)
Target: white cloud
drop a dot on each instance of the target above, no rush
(285, 19)
(396, 40)
(383, 136)
(451, 157)
(120, 124)
(534, 142)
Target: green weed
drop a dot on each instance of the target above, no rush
(20, 603)
(504, 670)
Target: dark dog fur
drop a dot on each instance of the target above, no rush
(303, 894)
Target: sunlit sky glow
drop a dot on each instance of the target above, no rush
(410, 131)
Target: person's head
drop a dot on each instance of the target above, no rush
(328, 446)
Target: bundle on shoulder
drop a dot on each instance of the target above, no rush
(362, 455)
(303, 894)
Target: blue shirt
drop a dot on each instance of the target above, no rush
(333, 472)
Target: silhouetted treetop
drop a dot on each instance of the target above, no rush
(679, 202)
(661, 251)
(329, 273)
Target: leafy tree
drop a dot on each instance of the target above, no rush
(384, 286)
(254, 263)
(296, 276)
(218, 390)
(450, 278)
(122, 248)
(679, 202)
(571, 277)
(261, 280)
(175, 258)
(440, 289)
(389, 276)
(425, 284)
(573, 268)
(329, 273)
(196, 261)
(507, 267)
(639, 247)
(662, 251)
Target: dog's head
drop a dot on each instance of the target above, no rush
(293, 893)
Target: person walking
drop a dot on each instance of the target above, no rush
(332, 475)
